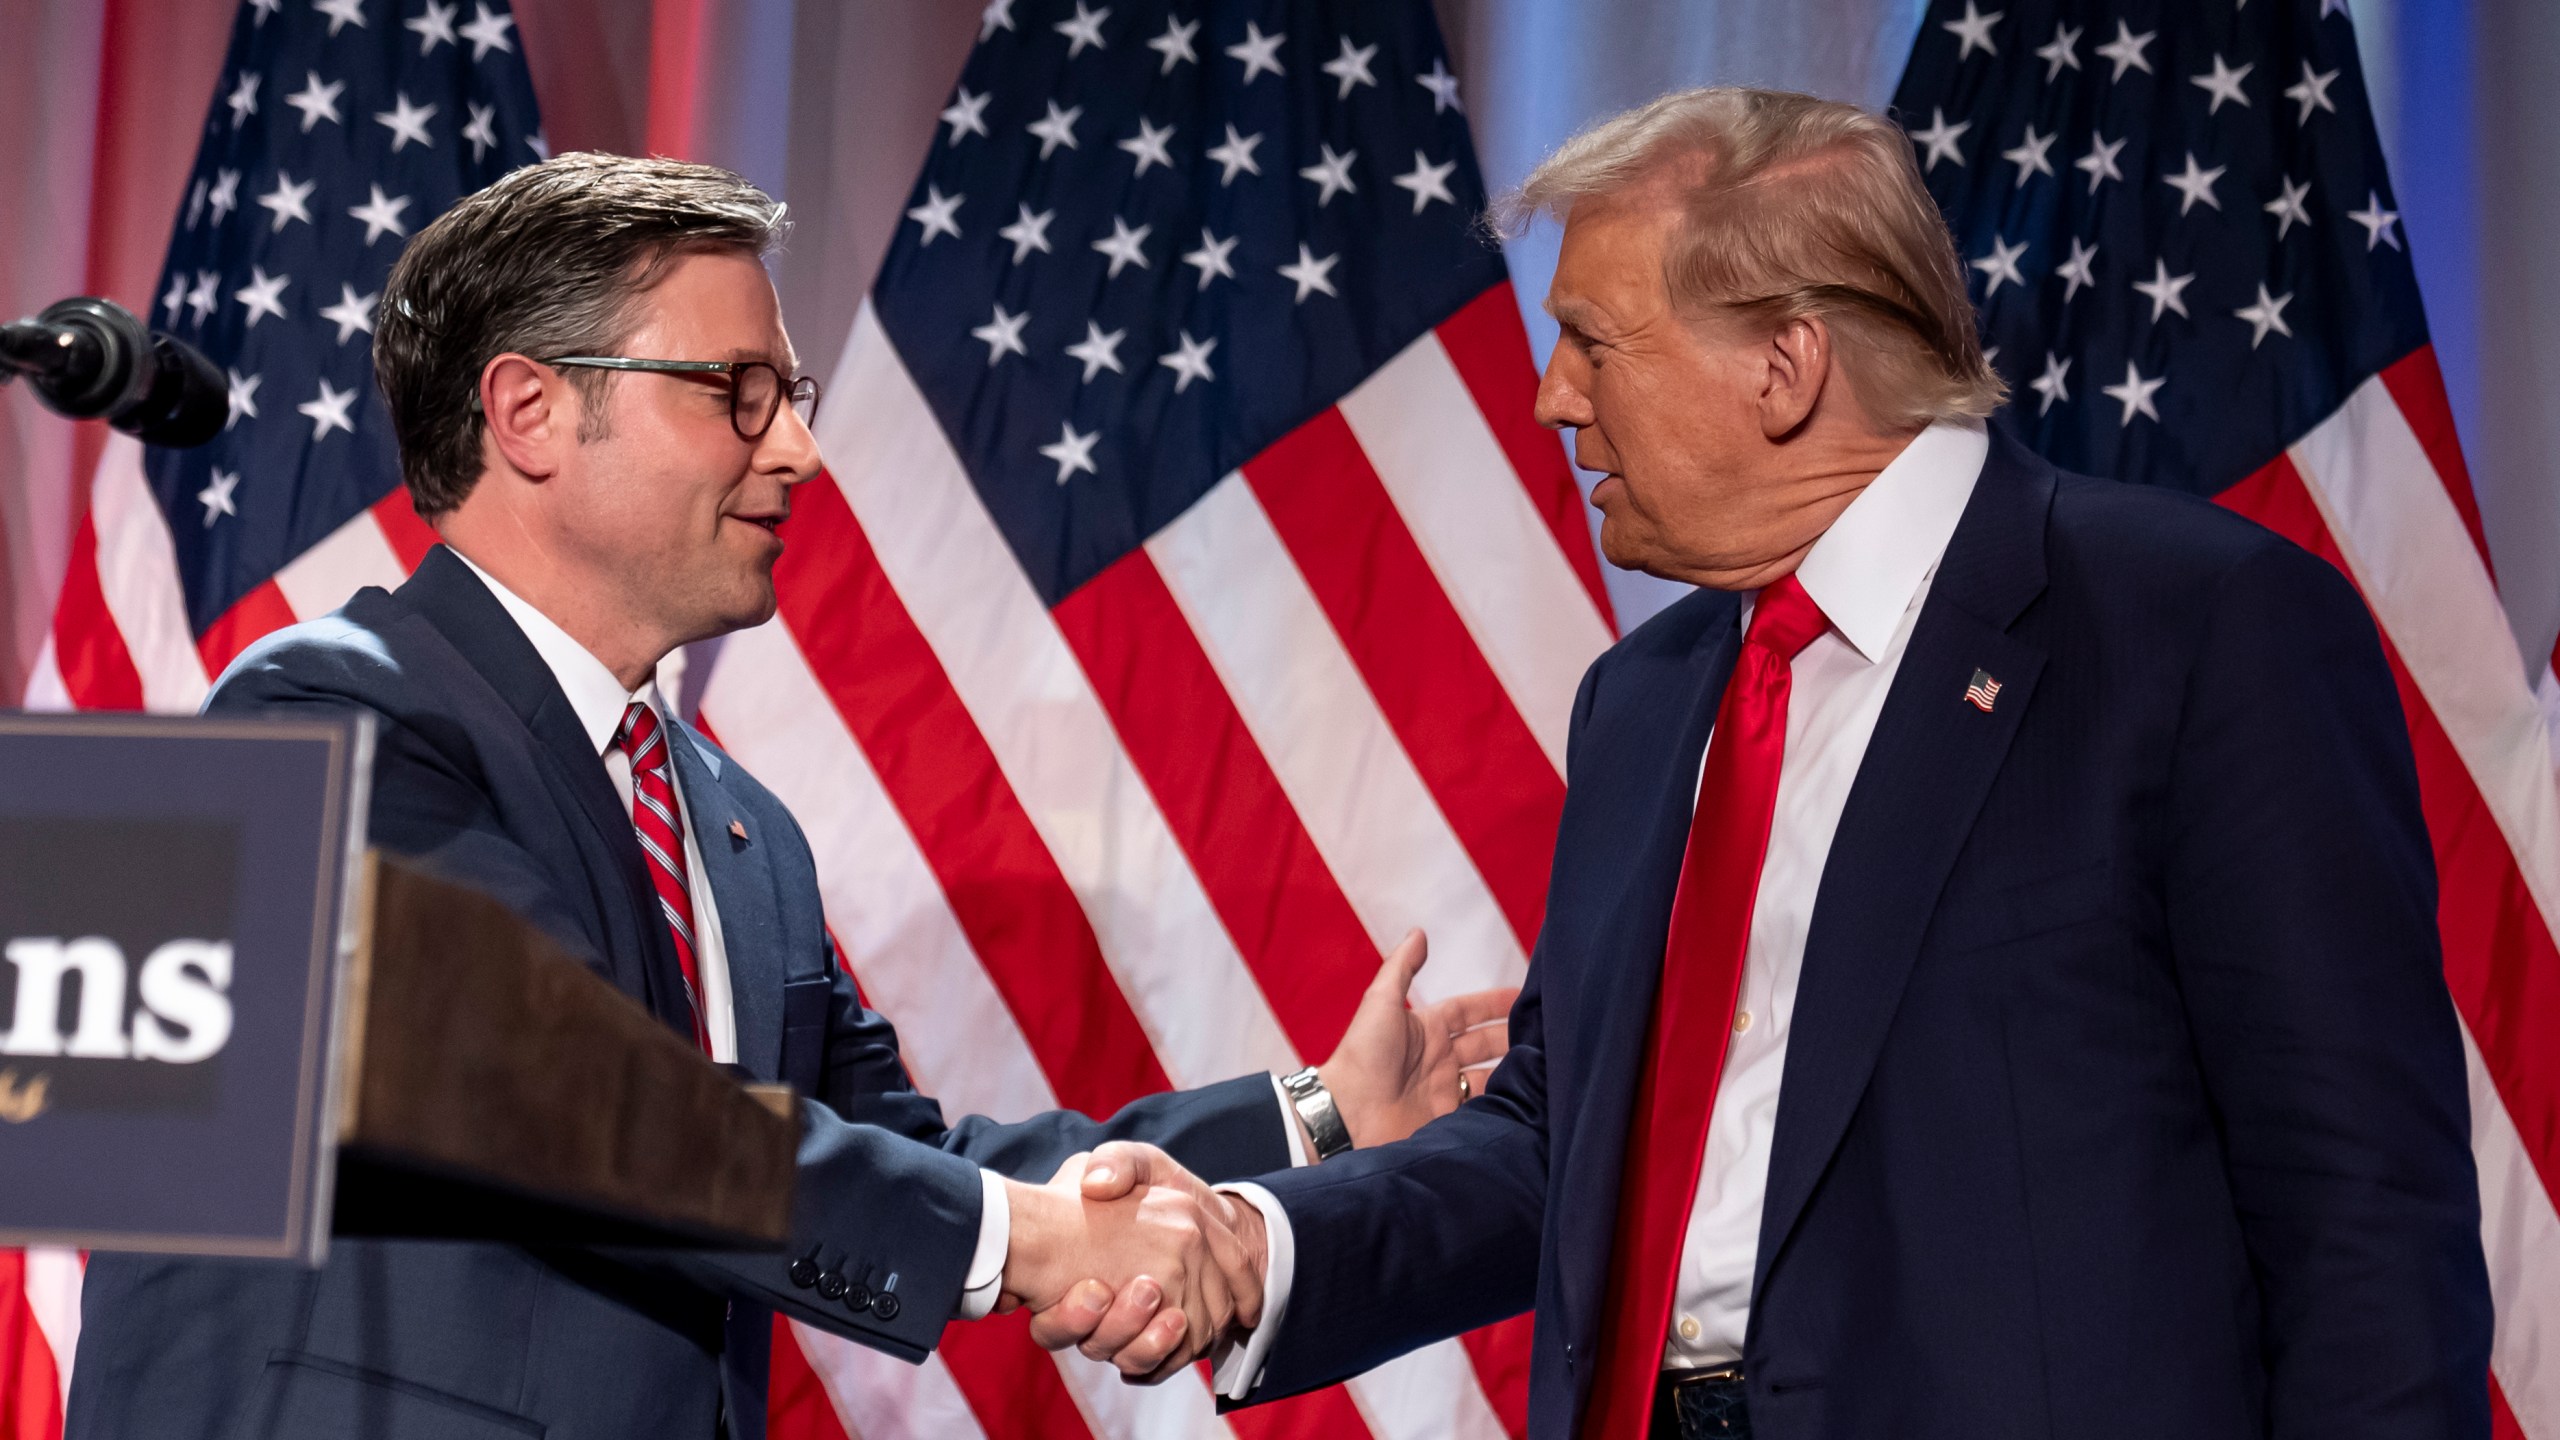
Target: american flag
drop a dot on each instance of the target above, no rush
(1193, 605)
(2178, 227)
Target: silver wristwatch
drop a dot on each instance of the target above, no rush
(1314, 1104)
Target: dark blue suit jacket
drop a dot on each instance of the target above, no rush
(482, 772)
(2123, 1096)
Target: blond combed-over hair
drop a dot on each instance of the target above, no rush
(1794, 207)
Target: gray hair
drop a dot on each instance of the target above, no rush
(1794, 208)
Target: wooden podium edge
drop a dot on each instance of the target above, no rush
(492, 1086)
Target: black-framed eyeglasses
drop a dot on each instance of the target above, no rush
(756, 387)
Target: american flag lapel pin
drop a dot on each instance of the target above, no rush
(1983, 693)
(738, 831)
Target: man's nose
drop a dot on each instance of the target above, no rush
(1561, 403)
(788, 447)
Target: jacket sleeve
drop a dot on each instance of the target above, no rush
(2301, 904)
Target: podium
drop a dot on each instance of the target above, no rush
(230, 1029)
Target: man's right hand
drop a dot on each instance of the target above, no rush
(1130, 1257)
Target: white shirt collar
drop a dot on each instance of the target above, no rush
(1867, 566)
(595, 696)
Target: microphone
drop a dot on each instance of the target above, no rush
(89, 358)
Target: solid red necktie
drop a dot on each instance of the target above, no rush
(1693, 1018)
(659, 821)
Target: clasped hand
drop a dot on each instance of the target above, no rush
(1129, 1257)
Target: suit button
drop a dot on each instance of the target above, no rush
(858, 1298)
(885, 1306)
(804, 1272)
(1568, 1354)
(832, 1285)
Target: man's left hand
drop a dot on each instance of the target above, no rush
(1399, 1066)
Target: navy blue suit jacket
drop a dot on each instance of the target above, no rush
(2123, 1096)
(482, 773)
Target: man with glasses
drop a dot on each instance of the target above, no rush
(588, 374)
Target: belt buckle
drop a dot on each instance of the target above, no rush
(1719, 1375)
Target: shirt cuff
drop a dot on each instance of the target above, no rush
(1289, 1125)
(1237, 1367)
(985, 1280)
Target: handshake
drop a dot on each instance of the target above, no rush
(1186, 1262)
(1136, 1261)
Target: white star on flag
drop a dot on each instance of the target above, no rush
(1311, 274)
(482, 132)
(1938, 142)
(1083, 28)
(2266, 315)
(2135, 394)
(316, 101)
(1236, 154)
(286, 201)
(352, 313)
(2029, 154)
(2195, 183)
(264, 8)
(215, 497)
(2287, 207)
(243, 398)
(2052, 384)
(2060, 51)
(1973, 28)
(341, 13)
(328, 410)
(1190, 362)
(380, 213)
(936, 214)
(1351, 67)
(2378, 223)
(1028, 232)
(204, 298)
(997, 16)
(1056, 128)
(1211, 258)
(1258, 51)
(1427, 181)
(1123, 246)
(176, 299)
(1175, 44)
(433, 27)
(263, 295)
(1003, 335)
(2079, 270)
(243, 99)
(225, 195)
(1098, 351)
(2165, 291)
(2223, 83)
(2100, 162)
(1149, 145)
(2312, 93)
(2126, 50)
(487, 32)
(1332, 175)
(967, 114)
(407, 122)
(2001, 265)
(1072, 451)
(1442, 85)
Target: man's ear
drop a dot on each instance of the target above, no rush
(1798, 365)
(527, 414)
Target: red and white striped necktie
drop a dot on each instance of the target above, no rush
(659, 821)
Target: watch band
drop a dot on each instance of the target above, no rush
(1314, 1105)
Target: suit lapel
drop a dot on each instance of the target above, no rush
(1927, 769)
(445, 593)
(742, 886)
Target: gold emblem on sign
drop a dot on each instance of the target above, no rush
(22, 1102)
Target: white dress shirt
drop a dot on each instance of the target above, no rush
(598, 700)
(1870, 574)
